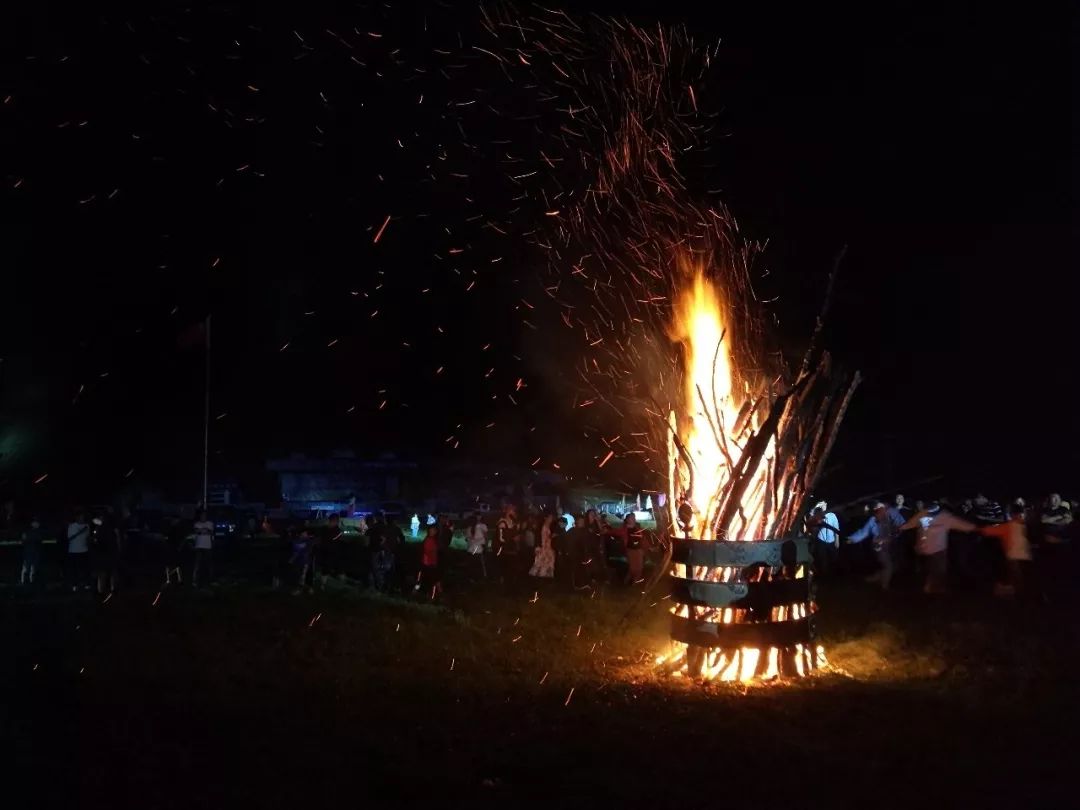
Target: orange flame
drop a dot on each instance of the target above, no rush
(709, 431)
(708, 436)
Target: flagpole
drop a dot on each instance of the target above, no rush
(206, 422)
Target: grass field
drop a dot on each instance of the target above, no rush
(241, 696)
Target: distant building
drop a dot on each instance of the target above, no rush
(343, 482)
(340, 482)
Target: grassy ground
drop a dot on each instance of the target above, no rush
(247, 697)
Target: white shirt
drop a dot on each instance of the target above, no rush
(78, 538)
(829, 531)
(478, 538)
(204, 534)
(569, 521)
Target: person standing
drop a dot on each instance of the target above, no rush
(283, 558)
(174, 542)
(543, 565)
(629, 540)
(303, 548)
(31, 552)
(506, 544)
(573, 554)
(328, 539)
(825, 530)
(594, 553)
(561, 540)
(933, 525)
(988, 512)
(476, 535)
(78, 552)
(105, 537)
(635, 542)
(528, 534)
(446, 538)
(391, 557)
(374, 541)
(904, 544)
(1055, 520)
(204, 545)
(975, 561)
(881, 528)
(1056, 564)
(429, 580)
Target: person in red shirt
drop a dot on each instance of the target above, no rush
(634, 543)
(1014, 542)
(429, 578)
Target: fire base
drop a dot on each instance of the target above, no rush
(743, 610)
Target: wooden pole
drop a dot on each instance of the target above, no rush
(206, 424)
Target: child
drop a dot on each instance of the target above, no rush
(1014, 542)
(429, 563)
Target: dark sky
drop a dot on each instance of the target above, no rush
(237, 161)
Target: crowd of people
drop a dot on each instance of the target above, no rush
(582, 551)
(944, 544)
(938, 544)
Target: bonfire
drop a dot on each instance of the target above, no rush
(742, 460)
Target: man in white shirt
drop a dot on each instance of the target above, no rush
(204, 543)
(826, 533)
(476, 536)
(78, 548)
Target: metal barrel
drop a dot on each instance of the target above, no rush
(733, 595)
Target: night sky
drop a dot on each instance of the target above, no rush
(236, 161)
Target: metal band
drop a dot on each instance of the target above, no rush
(729, 636)
(725, 553)
(756, 596)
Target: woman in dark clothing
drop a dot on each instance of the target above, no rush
(175, 537)
(445, 537)
(105, 542)
(594, 554)
(31, 549)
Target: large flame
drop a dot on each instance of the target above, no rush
(708, 439)
(711, 427)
